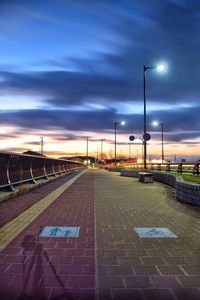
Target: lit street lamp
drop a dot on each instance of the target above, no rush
(159, 68)
(117, 123)
(155, 123)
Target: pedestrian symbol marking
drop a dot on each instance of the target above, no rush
(154, 232)
(56, 231)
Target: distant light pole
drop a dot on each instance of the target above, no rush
(159, 68)
(129, 150)
(138, 138)
(117, 123)
(97, 155)
(102, 140)
(87, 149)
(42, 144)
(155, 123)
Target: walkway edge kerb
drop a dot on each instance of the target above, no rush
(187, 192)
(12, 229)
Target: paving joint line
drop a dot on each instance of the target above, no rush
(95, 249)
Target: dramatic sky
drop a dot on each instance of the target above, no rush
(72, 68)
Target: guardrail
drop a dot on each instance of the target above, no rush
(176, 167)
(192, 168)
(21, 168)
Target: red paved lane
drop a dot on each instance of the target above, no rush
(11, 208)
(54, 268)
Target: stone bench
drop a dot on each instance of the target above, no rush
(145, 177)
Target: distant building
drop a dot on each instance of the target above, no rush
(81, 159)
(29, 152)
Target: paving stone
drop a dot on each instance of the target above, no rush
(124, 294)
(138, 282)
(111, 282)
(176, 260)
(170, 270)
(120, 270)
(153, 261)
(104, 294)
(189, 281)
(158, 294)
(81, 282)
(145, 270)
(129, 261)
(192, 270)
(165, 282)
(186, 294)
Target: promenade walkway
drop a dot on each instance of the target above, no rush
(107, 260)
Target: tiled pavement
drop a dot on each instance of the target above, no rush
(133, 268)
(54, 268)
(15, 206)
(108, 260)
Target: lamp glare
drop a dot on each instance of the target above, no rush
(155, 123)
(161, 68)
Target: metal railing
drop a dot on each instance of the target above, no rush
(192, 168)
(21, 168)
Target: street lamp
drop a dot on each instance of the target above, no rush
(102, 140)
(155, 123)
(117, 123)
(159, 68)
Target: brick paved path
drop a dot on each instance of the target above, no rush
(108, 260)
(11, 208)
(54, 268)
(133, 268)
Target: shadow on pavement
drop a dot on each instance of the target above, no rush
(33, 286)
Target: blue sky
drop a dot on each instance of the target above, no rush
(75, 67)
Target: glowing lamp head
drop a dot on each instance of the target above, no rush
(161, 68)
(122, 123)
(155, 123)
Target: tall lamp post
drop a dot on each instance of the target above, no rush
(159, 68)
(42, 144)
(117, 123)
(155, 123)
(102, 140)
(87, 150)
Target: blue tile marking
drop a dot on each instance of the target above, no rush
(56, 231)
(154, 232)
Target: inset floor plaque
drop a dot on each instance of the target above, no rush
(55, 231)
(154, 232)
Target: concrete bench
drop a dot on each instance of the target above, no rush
(145, 177)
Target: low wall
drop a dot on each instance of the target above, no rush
(114, 169)
(165, 178)
(188, 192)
(185, 192)
(129, 173)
